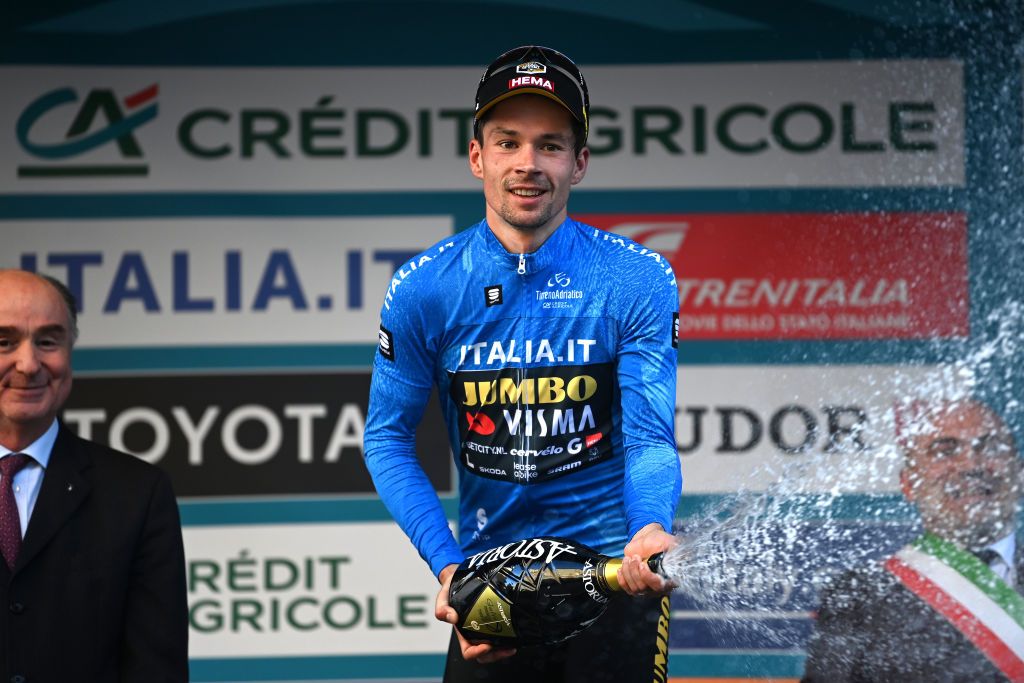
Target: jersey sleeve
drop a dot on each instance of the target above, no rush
(647, 360)
(401, 384)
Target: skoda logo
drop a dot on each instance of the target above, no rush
(531, 68)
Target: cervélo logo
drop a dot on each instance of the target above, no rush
(121, 117)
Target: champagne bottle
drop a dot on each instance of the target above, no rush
(534, 591)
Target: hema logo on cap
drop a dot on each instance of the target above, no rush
(531, 68)
(532, 81)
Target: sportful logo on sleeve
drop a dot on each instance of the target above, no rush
(386, 343)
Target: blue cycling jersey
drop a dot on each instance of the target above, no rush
(556, 372)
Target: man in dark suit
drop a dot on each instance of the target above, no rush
(946, 607)
(92, 569)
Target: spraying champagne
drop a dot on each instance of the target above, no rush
(537, 590)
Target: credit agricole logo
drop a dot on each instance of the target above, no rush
(101, 119)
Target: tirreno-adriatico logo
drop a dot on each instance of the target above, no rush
(102, 118)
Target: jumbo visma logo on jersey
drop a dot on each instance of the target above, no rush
(529, 425)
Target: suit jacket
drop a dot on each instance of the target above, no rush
(870, 628)
(98, 591)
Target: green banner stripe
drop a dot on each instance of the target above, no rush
(82, 171)
(972, 569)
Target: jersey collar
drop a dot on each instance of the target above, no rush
(554, 248)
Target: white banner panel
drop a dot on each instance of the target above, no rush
(181, 281)
(777, 124)
(799, 429)
(309, 589)
(789, 124)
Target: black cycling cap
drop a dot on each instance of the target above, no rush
(538, 71)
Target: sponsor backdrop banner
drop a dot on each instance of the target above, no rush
(811, 275)
(247, 435)
(224, 281)
(837, 189)
(811, 429)
(295, 588)
(308, 589)
(337, 588)
(828, 124)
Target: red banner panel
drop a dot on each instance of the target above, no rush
(810, 275)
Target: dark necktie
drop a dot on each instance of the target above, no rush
(10, 522)
(995, 562)
(987, 556)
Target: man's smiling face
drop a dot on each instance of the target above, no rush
(35, 357)
(964, 475)
(527, 163)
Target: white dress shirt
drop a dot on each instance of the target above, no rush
(1006, 548)
(29, 480)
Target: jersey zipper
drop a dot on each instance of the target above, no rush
(521, 440)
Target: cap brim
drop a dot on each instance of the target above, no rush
(524, 91)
